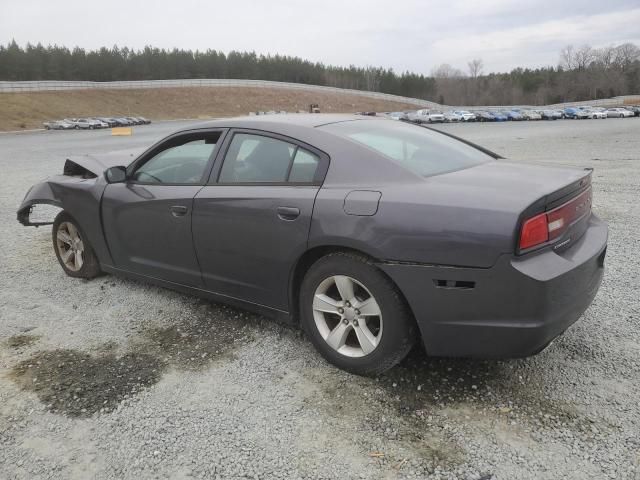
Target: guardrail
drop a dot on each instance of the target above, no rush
(48, 85)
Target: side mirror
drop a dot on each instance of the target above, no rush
(115, 174)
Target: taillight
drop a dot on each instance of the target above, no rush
(550, 225)
(534, 231)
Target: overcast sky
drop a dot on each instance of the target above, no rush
(410, 35)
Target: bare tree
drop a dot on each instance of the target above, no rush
(605, 56)
(446, 71)
(625, 55)
(567, 58)
(583, 57)
(475, 67)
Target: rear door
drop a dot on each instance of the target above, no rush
(251, 222)
(147, 219)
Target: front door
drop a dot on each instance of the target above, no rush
(148, 218)
(252, 222)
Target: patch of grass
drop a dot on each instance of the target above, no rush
(30, 109)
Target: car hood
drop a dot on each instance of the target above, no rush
(97, 164)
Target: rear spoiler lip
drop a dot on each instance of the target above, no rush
(561, 196)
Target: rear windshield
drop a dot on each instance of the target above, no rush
(417, 149)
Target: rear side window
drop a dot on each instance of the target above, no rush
(415, 148)
(305, 165)
(260, 159)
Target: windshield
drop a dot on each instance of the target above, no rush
(420, 150)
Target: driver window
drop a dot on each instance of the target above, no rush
(184, 160)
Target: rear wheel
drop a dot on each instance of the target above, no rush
(354, 315)
(72, 248)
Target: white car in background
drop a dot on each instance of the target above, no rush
(426, 116)
(466, 115)
(531, 115)
(619, 113)
(452, 117)
(86, 123)
(596, 113)
(397, 116)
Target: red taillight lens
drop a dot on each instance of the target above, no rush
(534, 231)
(552, 224)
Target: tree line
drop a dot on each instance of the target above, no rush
(583, 73)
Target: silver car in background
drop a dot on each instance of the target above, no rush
(57, 125)
(619, 113)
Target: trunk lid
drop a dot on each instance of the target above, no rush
(523, 191)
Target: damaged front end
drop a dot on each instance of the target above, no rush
(78, 191)
(56, 190)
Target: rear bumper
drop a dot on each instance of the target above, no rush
(513, 309)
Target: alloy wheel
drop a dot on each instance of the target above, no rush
(70, 246)
(347, 316)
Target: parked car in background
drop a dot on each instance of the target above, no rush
(58, 125)
(397, 116)
(466, 115)
(111, 122)
(558, 113)
(636, 110)
(123, 122)
(488, 275)
(499, 117)
(485, 116)
(80, 123)
(619, 113)
(531, 115)
(426, 116)
(596, 113)
(146, 121)
(451, 116)
(548, 115)
(97, 123)
(575, 113)
(513, 115)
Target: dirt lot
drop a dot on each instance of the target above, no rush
(29, 110)
(112, 378)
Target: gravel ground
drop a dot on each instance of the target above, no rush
(117, 379)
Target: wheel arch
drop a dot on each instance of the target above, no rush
(308, 258)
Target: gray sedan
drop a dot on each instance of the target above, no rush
(372, 235)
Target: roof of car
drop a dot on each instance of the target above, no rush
(311, 120)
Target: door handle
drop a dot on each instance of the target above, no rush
(178, 210)
(288, 213)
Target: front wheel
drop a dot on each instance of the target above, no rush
(354, 315)
(72, 248)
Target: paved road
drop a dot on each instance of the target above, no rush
(117, 379)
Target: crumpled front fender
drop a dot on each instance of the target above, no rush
(40, 193)
(80, 198)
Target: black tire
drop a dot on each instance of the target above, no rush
(90, 266)
(398, 331)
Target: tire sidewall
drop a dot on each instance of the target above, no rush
(90, 267)
(398, 328)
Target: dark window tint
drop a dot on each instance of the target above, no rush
(179, 162)
(417, 149)
(259, 159)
